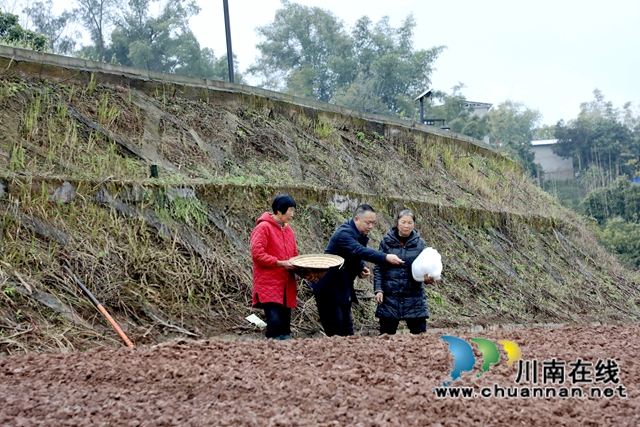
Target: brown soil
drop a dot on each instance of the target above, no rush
(360, 381)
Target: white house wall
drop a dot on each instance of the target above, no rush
(555, 167)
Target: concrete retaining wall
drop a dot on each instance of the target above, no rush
(63, 68)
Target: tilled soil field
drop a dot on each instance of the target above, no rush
(356, 381)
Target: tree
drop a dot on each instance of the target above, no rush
(10, 6)
(62, 39)
(164, 42)
(220, 66)
(451, 108)
(511, 127)
(389, 67)
(545, 132)
(623, 238)
(476, 127)
(605, 142)
(602, 136)
(620, 199)
(307, 51)
(98, 17)
(12, 33)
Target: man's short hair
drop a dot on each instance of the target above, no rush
(360, 210)
(282, 203)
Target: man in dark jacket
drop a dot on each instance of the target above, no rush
(334, 293)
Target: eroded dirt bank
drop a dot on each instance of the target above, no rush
(363, 381)
(169, 255)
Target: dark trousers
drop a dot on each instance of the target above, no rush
(335, 318)
(389, 326)
(278, 319)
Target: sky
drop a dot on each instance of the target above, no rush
(548, 54)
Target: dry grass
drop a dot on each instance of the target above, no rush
(166, 265)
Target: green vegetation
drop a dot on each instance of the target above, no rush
(623, 238)
(620, 200)
(127, 33)
(616, 208)
(603, 142)
(160, 43)
(307, 51)
(323, 130)
(12, 34)
(169, 256)
(602, 138)
(511, 129)
(61, 38)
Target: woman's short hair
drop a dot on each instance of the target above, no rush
(405, 212)
(282, 203)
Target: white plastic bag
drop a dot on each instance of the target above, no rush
(256, 321)
(428, 262)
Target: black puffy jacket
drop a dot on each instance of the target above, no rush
(404, 298)
(347, 242)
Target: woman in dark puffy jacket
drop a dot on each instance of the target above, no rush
(398, 295)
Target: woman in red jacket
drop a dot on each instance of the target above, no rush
(273, 244)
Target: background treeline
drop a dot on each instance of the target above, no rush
(305, 51)
(604, 143)
(372, 67)
(616, 208)
(124, 32)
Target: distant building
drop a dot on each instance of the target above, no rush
(479, 108)
(555, 168)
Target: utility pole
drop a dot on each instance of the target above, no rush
(227, 27)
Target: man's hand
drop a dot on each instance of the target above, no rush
(393, 259)
(309, 277)
(286, 264)
(428, 279)
(365, 273)
(379, 297)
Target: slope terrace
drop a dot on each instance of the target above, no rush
(169, 255)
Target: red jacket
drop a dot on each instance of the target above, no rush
(271, 243)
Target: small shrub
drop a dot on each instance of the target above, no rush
(323, 129)
(623, 238)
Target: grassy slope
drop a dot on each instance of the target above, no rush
(167, 261)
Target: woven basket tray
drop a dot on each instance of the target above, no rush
(317, 261)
